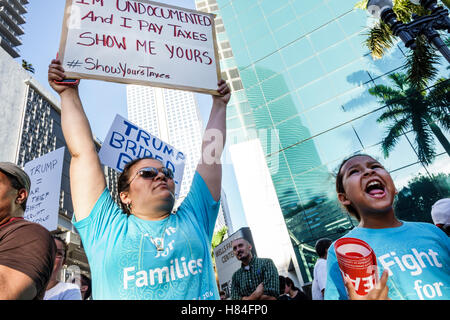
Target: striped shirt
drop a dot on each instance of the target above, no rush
(247, 278)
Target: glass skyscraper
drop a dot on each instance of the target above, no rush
(305, 74)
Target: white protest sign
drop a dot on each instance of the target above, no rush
(140, 42)
(126, 141)
(43, 201)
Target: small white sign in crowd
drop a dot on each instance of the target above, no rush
(43, 201)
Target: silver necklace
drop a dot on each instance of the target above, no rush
(159, 242)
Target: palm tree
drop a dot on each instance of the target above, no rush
(380, 39)
(420, 111)
(216, 240)
(27, 66)
(218, 237)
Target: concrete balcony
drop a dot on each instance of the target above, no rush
(9, 21)
(8, 33)
(10, 50)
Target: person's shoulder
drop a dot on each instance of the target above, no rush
(355, 232)
(264, 260)
(104, 198)
(68, 286)
(25, 226)
(414, 226)
(418, 224)
(38, 229)
(63, 291)
(198, 183)
(31, 224)
(423, 228)
(320, 262)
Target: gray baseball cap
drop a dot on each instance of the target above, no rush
(440, 211)
(17, 172)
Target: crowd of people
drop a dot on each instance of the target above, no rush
(141, 249)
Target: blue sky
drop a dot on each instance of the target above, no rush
(101, 100)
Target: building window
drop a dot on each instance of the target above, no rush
(225, 45)
(234, 73)
(227, 54)
(237, 85)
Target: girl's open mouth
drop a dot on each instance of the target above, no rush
(375, 189)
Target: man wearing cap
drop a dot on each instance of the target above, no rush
(440, 213)
(27, 250)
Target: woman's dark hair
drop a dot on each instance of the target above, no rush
(124, 177)
(86, 282)
(57, 236)
(291, 284)
(321, 246)
(340, 185)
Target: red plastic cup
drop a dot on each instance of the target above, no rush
(357, 260)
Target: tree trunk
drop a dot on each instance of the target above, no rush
(440, 136)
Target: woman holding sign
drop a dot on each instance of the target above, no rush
(414, 256)
(144, 251)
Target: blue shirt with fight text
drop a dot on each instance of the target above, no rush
(416, 254)
(124, 261)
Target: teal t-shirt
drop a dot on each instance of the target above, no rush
(124, 261)
(416, 254)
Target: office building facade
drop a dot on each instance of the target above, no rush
(11, 18)
(306, 75)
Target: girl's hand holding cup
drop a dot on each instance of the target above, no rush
(379, 292)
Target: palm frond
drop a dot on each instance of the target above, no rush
(393, 133)
(393, 97)
(379, 40)
(439, 95)
(421, 64)
(403, 10)
(385, 93)
(392, 114)
(443, 120)
(400, 80)
(361, 5)
(27, 66)
(441, 115)
(424, 140)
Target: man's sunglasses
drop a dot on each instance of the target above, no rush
(151, 172)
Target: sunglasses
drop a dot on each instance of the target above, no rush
(151, 172)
